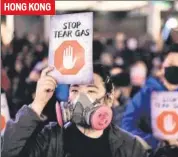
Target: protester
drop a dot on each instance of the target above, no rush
(6, 84)
(137, 118)
(106, 59)
(95, 137)
(122, 87)
(138, 75)
(24, 59)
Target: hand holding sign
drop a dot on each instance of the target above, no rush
(44, 90)
(169, 123)
(69, 59)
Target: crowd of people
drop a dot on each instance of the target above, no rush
(129, 61)
(23, 61)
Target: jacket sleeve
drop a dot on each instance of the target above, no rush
(19, 133)
(138, 150)
(133, 114)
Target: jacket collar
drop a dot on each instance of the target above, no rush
(115, 136)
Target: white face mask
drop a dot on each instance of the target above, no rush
(138, 75)
(132, 44)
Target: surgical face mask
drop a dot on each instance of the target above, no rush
(171, 74)
(138, 75)
(84, 112)
(132, 44)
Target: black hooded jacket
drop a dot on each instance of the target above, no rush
(21, 139)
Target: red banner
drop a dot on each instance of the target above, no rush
(27, 7)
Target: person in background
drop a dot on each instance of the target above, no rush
(19, 83)
(121, 80)
(131, 50)
(8, 60)
(5, 81)
(157, 66)
(106, 59)
(146, 47)
(120, 40)
(40, 51)
(138, 76)
(26, 55)
(122, 87)
(98, 48)
(122, 54)
(94, 138)
(137, 117)
(132, 44)
(116, 69)
(39, 66)
(109, 46)
(16, 44)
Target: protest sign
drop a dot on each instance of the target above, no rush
(164, 114)
(5, 116)
(26, 7)
(70, 48)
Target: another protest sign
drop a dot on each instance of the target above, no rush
(5, 116)
(164, 109)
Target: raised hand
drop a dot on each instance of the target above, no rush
(44, 91)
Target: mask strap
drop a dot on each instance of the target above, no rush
(98, 100)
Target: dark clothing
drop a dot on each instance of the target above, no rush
(21, 139)
(119, 110)
(76, 144)
(118, 113)
(9, 63)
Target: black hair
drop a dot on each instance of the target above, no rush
(97, 49)
(103, 72)
(121, 80)
(121, 66)
(172, 48)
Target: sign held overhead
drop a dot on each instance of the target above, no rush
(71, 49)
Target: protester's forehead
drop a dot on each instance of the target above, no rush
(171, 59)
(171, 56)
(98, 81)
(86, 85)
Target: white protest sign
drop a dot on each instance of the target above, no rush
(70, 48)
(5, 116)
(164, 114)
